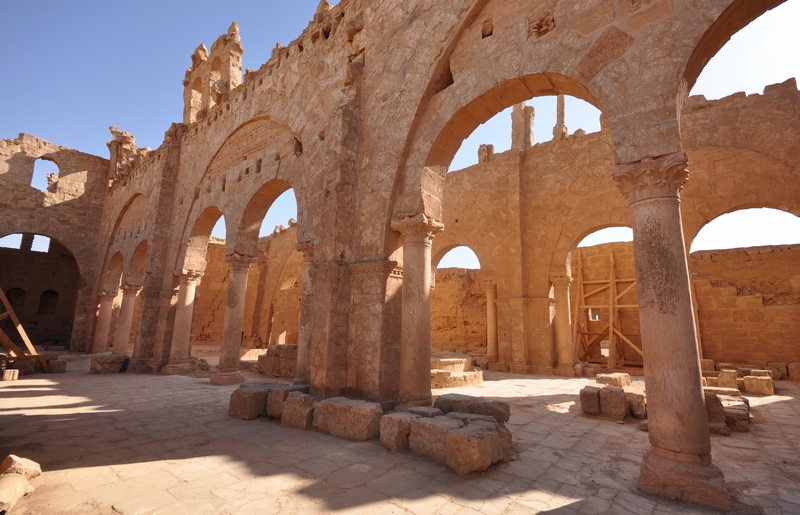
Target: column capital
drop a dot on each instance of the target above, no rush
(489, 284)
(189, 274)
(128, 289)
(107, 294)
(561, 281)
(417, 228)
(656, 177)
(307, 248)
(239, 262)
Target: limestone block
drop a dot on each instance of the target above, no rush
(613, 403)
(25, 367)
(482, 362)
(249, 402)
(476, 446)
(12, 488)
(617, 379)
(395, 428)
(469, 417)
(759, 385)
(15, 465)
(733, 392)
(56, 366)
(10, 375)
(737, 413)
(740, 383)
(439, 378)
(716, 415)
(727, 379)
(265, 362)
(590, 400)
(707, 365)
(761, 373)
(779, 371)
(794, 371)
(711, 381)
(107, 363)
(637, 403)
(277, 395)
(428, 436)
(500, 410)
(348, 418)
(425, 411)
(298, 410)
(725, 366)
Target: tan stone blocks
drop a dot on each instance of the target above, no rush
(637, 403)
(10, 375)
(590, 400)
(428, 436)
(394, 430)
(476, 446)
(277, 396)
(716, 414)
(613, 403)
(279, 361)
(707, 365)
(760, 385)
(737, 413)
(727, 379)
(13, 464)
(617, 379)
(27, 366)
(779, 371)
(794, 371)
(249, 401)
(425, 411)
(500, 410)
(298, 410)
(107, 363)
(348, 418)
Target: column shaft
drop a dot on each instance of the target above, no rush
(182, 327)
(228, 369)
(564, 348)
(101, 330)
(491, 320)
(303, 374)
(125, 320)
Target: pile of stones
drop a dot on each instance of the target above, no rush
(757, 378)
(468, 434)
(279, 361)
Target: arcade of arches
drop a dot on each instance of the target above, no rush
(377, 206)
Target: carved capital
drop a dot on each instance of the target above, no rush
(130, 289)
(307, 248)
(190, 275)
(104, 295)
(652, 177)
(417, 228)
(239, 262)
(561, 281)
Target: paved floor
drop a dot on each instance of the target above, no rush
(152, 444)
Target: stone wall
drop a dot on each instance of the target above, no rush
(458, 311)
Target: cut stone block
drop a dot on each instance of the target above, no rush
(56, 366)
(779, 371)
(500, 410)
(428, 436)
(737, 413)
(298, 410)
(476, 446)
(277, 395)
(13, 464)
(249, 401)
(25, 367)
(107, 363)
(469, 417)
(590, 400)
(740, 384)
(10, 375)
(711, 381)
(716, 415)
(707, 365)
(761, 373)
(725, 366)
(759, 385)
(637, 404)
(617, 379)
(348, 418)
(425, 411)
(482, 362)
(727, 379)
(794, 371)
(733, 392)
(613, 403)
(395, 428)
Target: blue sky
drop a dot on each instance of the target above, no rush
(72, 69)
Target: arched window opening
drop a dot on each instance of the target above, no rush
(219, 231)
(281, 212)
(45, 174)
(12, 241)
(460, 257)
(607, 235)
(764, 52)
(497, 131)
(48, 303)
(40, 244)
(744, 228)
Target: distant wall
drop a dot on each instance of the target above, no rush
(458, 311)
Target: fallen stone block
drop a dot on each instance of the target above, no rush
(794, 371)
(298, 410)
(760, 373)
(476, 446)
(617, 379)
(56, 366)
(469, 417)
(737, 413)
(348, 418)
(12, 488)
(439, 378)
(425, 411)
(740, 384)
(428, 436)
(727, 379)
(108, 363)
(711, 381)
(759, 385)
(500, 410)
(25, 367)
(733, 392)
(10, 375)
(482, 362)
(716, 415)
(249, 401)
(644, 425)
(613, 403)
(779, 371)
(395, 428)
(13, 464)
(277, 395)
(590, 400)
(725, 366)
(637, 403)
(707, 365)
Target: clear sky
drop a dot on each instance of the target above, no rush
(72, 69)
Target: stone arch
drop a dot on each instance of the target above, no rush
(246, 235)
(194, 255)
(113, 273)
(137, 267)
(445, 250)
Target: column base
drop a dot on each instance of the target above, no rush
(226, 378)
(564, 370)
(698, 483)
(177, 369)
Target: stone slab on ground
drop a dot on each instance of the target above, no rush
(618, 379)
(613, 403)
(737, 413)
(107, 363)
(759, 385)
(733, 392)
(277, 395)
(469, 417)
(428, 436)
(298, 410)
(590, 400)
(348, 418)
(12, 488)
(13, 464)
(249, 401)
(394, 430)
(477, 446)
(500, 410)
(779, 371)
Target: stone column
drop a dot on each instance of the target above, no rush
(182, 327)
(560, 131)
(125, 320)
(679, 461)
(100, 343)
(564, 349)
(491, 319)
(415, 341)
(228, 368)
(303, 375)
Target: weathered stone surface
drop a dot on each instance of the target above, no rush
(13, 464)
(277, 395)
(737, 413)
(794, 371)
(279, 361)
(249, 401)
(613, 403)
(590, 400)
(394, 430)
(12, 488)
(716, 415)
(733, 392)
(727, 379)
(637, 403)
(476, 446)
(617, 379)
(759, 385)
(500, 410)
(56, 366)
(348, 418)
(779, 371)
(298, 410)
(107, 363)
(25, 367)
(469, 417)
(428, 436)
(425, 411)
(707, 365)
(761, 373)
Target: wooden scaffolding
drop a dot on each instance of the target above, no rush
(17, 353)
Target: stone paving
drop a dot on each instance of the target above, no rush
(164, 444)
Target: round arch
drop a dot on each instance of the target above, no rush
(435, 260)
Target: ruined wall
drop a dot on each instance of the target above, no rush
(458, 311)
(209, 304)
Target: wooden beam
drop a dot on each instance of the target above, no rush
(612, 344)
